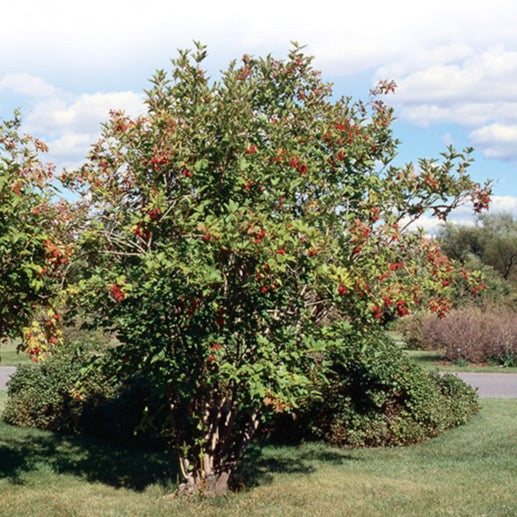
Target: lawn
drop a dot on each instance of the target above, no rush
(436, 360)
(9, 356)
(470, 471)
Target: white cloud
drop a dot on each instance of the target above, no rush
(27, 85)
(496, 140)
(454, 61)
(69, 123)
(74, 123)
(70, 149)
(467, 114)
(83, 112)
(345, 36)
(477, 91)
(465, 215)
(478, 77)
(504, 204)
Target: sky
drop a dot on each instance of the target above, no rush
(66, 64)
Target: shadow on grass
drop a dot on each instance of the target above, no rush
(427, 357)
(262, 461)
(29, 450)
(25, 451)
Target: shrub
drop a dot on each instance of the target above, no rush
(218, 232)
(378, 397)
(46, 395)
(419, 331)
(472, 334)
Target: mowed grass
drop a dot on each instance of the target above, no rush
(9, 356)
(436, 360)
(468, 471)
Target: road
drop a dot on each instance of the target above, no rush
(499, 385)
(5, 373)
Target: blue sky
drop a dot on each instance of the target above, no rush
(65, 64)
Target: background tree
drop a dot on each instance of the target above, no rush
(242, 225)
(32, 256)
(490, 246)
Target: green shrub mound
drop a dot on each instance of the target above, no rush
(378, 397)
(64, 394)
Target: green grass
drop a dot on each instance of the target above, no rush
(9, 356)
(468, 471)
(433, 359)
(436, 360)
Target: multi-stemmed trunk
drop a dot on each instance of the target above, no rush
(208, 459)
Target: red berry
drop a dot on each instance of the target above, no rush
(342, 290)
(117, 293)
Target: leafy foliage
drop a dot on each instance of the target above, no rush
(64, 393)
(33, 255)
(492, 241)
(373, 395)
(236, 220)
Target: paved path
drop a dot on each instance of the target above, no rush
(499, 385)
(5, 373)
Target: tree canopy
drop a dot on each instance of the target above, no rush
(492, 240)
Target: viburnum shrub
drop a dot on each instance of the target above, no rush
(241, 222)
(33, 255)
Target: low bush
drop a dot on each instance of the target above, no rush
(377, 397)
(472, 334)
(56, 394)
(420, 331)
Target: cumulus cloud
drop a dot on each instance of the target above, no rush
(504, 204)
(27, 85)
(496, 140)
(477, 91)
(71, 148)
(447, 57)
(478, 77)
(345, 36)
(73, 123)
(467, 114)
(69, 123)
(80, 112)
